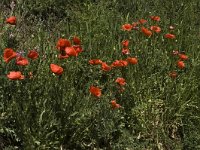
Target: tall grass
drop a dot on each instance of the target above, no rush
(58, 112)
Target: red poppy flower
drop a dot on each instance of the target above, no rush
(180, 64)
(114, 104)
(173, 74)
(56, 69)
(132, 60)
(62, 44)
(21, 61)
(77, 48)
(9, 54)
(95, 62)
(125, 43)
(119, 63)
(156, 29)
(95, 91)
(105, 67)
(15, 75)
(33, 54)
(71, 51)
(125, 51)
(127, 27)
(155, 18)
(135, 25)
(120, 81)
(146, 31)
(63, 56)
(183, 57)
(11, 20)
(76, 40)
(142, 21)
(169, 36)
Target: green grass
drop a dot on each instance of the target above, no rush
(51, 112)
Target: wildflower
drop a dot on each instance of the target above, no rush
(183, 57)
(180, 64)
(114, 104)
(125, 43)
(146, 31)
(15, 75)
(21, 61)
(127, 27)
(95, 62)
(33, 54)
(119, 63)
(62, 44)
(169, 36)
(9, 54)
(175, 52)
(11, 20)
(135, 25)
(56, 69)
(155, 18)
(171, 27)
(173, 74)
(132, 60)
(156, 29)
(63, 56)
(120, 81)
(77, 48)
(95, 91)
(76, 40)
(105, 67)
(125, 51)
(70, 51)
(142, 21)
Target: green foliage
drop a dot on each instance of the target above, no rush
(58, 112)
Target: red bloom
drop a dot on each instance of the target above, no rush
(56, 69)
(95, 91)
(95, 62)
(11, 20)
(9, 54)
(146, 31)
(71, 51)
(132, 60)
(180, 64)
(142, 21)
(114, 104)
(183, 57)
(127, 27)
(33, 54)
(125, 51)
(62, 56)
(105, 67)
(15, 75)
(173, 74)
(125, 43)
(76, 40)
(135, 25)
(120, 81)
(21, 61)
(77, 48)
(62, 44)
(169, 36)
(156, 29)
(119, 63)
(155, 18)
